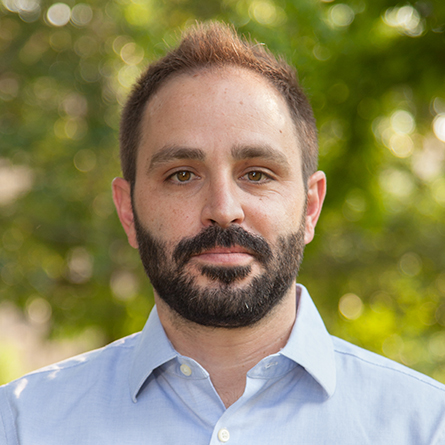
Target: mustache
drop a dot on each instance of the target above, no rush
(216, 236)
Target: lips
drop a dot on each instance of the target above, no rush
(225, 250)
(225, 255)
(228, 245)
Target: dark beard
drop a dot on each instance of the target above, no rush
(224, 305)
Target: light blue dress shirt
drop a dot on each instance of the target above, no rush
(317, 390)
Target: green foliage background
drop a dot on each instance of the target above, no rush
(375, 73)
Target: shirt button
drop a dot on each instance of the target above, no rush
(186, 370)
(223, 435)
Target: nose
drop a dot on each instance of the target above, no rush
(222, 204)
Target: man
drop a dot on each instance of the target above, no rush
(220, 195)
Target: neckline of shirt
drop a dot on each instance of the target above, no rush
(309, 346)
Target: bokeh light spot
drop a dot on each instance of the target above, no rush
(75, 105)
(406, 19)
(401, 145)
(410, 264)
(263, 12)
(15, 181)
(436, 345)
(127, 75)
(439, 126)
(85, 160)
(132, 54)
(59, 14)
(341, 15)
(396, 182)
(350, 306)
(438, 105)
(81, 14)
(124, 285)
(80, 265)
(321, 52)
(427, 163)
(402, 122)
(28, 10)
(38, 310)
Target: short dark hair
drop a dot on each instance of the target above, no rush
(216, 45)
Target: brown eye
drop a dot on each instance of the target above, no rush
(183, 176)
(255, 176)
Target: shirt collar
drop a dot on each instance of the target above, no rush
(309, 345)
(152, 350)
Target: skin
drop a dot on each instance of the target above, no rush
(220, 147)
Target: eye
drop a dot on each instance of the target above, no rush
(257, 176)
(182, 176)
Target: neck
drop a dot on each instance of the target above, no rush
(228, 354)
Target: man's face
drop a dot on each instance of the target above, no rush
(219, 197)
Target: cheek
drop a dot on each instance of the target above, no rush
(168, 221)
(273, 218)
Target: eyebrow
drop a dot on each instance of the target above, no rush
(241, 153)
(172, 152)
(238, 152)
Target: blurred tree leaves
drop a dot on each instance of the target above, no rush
(375, 74)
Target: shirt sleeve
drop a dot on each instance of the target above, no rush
(8, 434)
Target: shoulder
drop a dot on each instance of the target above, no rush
(70, 376)
(83, 363)
(365, 368)
(378, 395)
(66, 390)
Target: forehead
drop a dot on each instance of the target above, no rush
(217, 107)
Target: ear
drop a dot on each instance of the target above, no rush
(315, 197)
(122, 201)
